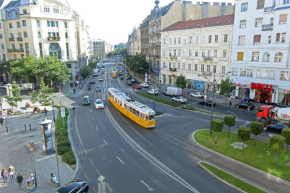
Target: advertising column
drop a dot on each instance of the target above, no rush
(46, 137)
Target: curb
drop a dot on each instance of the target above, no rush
(238, 162)
(220, 179)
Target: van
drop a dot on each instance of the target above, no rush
(173, 91)
(27, 86)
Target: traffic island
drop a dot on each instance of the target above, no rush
(229, 179)
(164, 101)
(259, 156)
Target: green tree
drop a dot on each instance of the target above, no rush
(137, 63)
(217, 126)
(286, 133)
(244, 134)
(230, 121)
(277, 143)
(86, 71)
(181, 81)
(226, 87)
(16, 97)
(34, 97)
(256, 129)
(44, 94)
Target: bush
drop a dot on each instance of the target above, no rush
(277, 143)
(286, 133)
(69, 158)
(230, 121)
(64, 142)
(256, 129)
(217, 126)
(244, 134)
(63, 149)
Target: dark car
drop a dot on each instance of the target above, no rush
(129, 82)
(137, 86)
(277, 127)
(207, 103)
(86, 100)
(245, 105)
(92, 81)
(98, 88)
(128, 77)
(78, 186)
(122, 77)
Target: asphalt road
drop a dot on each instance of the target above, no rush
(134, 159)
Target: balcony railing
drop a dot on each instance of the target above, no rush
(206, 73)
(205, 58)
(267, 27)
(19, 38)
(16, 50)
(172, 69)
(173, 57)
(11, 39)
(268, 9)
(53, 38)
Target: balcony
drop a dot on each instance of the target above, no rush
(172, 57)
(267, 27)
(11, 39)
(16, 50)
(172, 69)
(207, 58)
(206, 73)
(269, 9)
(19, 39)
(53, 38)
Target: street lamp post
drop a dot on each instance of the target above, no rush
(212, 102)
(53, 111)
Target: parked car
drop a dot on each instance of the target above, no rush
(129, 82)
(173, 91)
(98, 88)
(86, 100)
(245, 105)
(99, 104)
(133, 80)
(101, 79)
(92, 81)
(197, 94)
(79, 186)
(152, 91)
(179, 99)
(207, 103)
(144, 85)
(275, 127)
(137, 86)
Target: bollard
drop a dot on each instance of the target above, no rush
(25, 127)
(6, 129)
(30, 127)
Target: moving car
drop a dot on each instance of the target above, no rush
(78, 186)
(101, 79)
(133, 80)
(197, 95)
(86, 100)
(179, 99)
(129, 82)
(122, 77)
(98, 88)
(103, 71)
(137, 86)
(99, 104)
(92, 81)
(207, 102)
(152, 91)
(173, 91)
(245, 105)
(144, 85)
(274, 127)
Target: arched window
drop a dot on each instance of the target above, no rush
(278, 57)
(266, 57)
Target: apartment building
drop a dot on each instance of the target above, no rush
(41, 28)
(99, 48)
(260, 50)
(197, 47)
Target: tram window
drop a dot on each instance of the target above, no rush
(131, 109)
(125, 106)
(151, 117)
(137, 113)
(146, 117)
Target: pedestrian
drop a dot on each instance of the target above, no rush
(1, 120)
(4, 175)
(11, 171)
(45, 111)
(19, 180)
(74, 91)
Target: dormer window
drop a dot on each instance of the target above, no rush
(24, 11)
(46, 9)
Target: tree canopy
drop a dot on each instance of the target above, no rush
(181, 81)
(119, 51)
(226, 87)
(137, 63)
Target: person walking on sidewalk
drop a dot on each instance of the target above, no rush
(19, 180)
(11, 171)
(45, 111)
(4, 175)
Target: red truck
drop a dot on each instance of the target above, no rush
(268, 114)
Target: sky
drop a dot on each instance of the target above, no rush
(114, 20)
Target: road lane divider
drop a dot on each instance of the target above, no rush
(94, 190)
(148, 187)
(86, 177)
(147, 155)
(78, 130)
(93, 118)
(120, 160)
(109, 187)
(105, 142)
(85, 151)
(98, 172)
(97, 128)
(91, 161)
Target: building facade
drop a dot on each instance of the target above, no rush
(197, 47)
(99, 48)
(261, 52)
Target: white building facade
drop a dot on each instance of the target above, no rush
(197, 47)
(99, 48)
(261, 50)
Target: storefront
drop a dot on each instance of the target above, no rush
(243, 91)
(283, 97)
(263, 92)
(197, 84)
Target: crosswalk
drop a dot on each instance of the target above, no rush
(91, 91)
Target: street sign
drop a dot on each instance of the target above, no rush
(62, 112)
(101, 178)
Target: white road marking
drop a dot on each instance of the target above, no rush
(93, 118)
(245, 124)
(97, 128)
(148, 187)
(120, 160)
(105, 142)
(50, 156)
(91, 110)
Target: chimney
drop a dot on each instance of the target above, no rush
(223, 8)
(183, 10)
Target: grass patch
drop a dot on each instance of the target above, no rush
(233, 180)
(158, 113)
(200, 110)
(164, 101)
(259, 157)
(63, 143)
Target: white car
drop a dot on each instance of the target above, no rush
(152, 91)
(179, 99)
(197, 95)
(144, 85)
(99, 104)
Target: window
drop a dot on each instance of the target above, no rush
(283, 39)
(10, 25)
(224, 53)
(164, 40)
(2, 46)
(215, 53)
(260, 4)
(49, 34)
(18, 24)
(179, 40)
(179, 52)
(38, 23)
(25, 34)
(24, 11)
(189, 66)
(183, 66)
(242, 40)
(208, 68)
(196, 39)
(284, 75)
(266, 74)
(196, 53)
(283, 19)
(223, 69)
(286, 2)
(277, 38)
(209, 39)
(9, 14)
(55, 10)
(234, 71)
(243, 24)
(52, 24)
(12, 35)
(195, 67)
(163, 65)
(202, 68)
(240, 56)
(255, 56)
(269, 39)
(278, 57)
(189, 52)
(1, 36)
(23, 23)
(48, 24)
(65, 24)
(46, 9)
(202, 53)
(258, 22)
(257, 39)
(174, 41)
(244, 7)
(226, 38)
(0, 25)
(203, 39)
(178, 66)
(170, 41)
(266, 57)
(190, 39)
(246, 72)
(39, 34)
(184, 41)
(216, 38)
(209, 53)
(214, 68)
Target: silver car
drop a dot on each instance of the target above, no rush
(197, 94)
(99, 104)
(179, 99)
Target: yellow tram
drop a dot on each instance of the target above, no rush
(136, 111)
